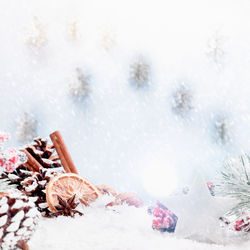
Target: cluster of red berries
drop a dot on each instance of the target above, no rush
(10, 158)
(242, 225)
(164, 220)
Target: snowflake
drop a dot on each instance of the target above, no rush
(26, 128)
(182, 100)
(36, 35)
(215, 48)
(222, 130)
(139, 72)
(73, 30)
(107, 39)
(79, 84)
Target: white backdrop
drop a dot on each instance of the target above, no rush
(119, 131)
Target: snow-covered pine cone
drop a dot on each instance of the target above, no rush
(33, 184)
(18, 220)
(7, 186)
(44, 153)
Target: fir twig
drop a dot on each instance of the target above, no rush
(234, 182)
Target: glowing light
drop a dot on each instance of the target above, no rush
(159, 180)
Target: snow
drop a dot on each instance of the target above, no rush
(120, 228)
(201, 210)
(120, 131)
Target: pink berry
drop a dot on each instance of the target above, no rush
(9, 167)
(157, 224)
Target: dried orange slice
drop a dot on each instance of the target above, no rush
(67, 185)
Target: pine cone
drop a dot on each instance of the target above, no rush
(33, 184)
(18, 220)
(44, 153)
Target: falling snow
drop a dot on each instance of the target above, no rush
(119, 130)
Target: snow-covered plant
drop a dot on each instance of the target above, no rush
(36, 35)
(26, 128)
(222, 130)
(79, 84)
(182, 100)
(234, 181)
(107, 39)
(215, 48)
(140, 72)
(73, 30)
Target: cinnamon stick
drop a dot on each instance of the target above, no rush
(61, 155)
(32, 162)
(63, 152)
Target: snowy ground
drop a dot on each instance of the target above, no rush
(126, 228)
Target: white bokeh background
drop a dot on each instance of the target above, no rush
(119, 131)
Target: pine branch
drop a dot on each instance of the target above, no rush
(234, 182)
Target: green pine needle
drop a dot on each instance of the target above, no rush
(234, 182)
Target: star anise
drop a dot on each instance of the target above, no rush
(67, 207)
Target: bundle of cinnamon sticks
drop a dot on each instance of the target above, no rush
(62, 151)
